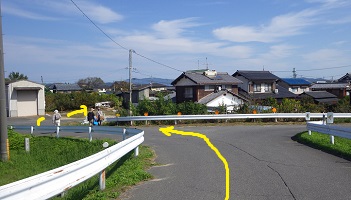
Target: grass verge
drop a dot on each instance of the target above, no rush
(47, 153)
(340, 148)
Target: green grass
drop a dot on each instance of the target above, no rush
(47, 153)
(340, 148)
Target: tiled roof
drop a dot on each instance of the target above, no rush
(65, 87)
(201, 79)
(319, 94)
(256, 75)
(296, 81)
(329, 85)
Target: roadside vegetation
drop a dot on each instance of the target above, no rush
(340, 148)
(47, 153)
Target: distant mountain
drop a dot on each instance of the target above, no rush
(151, 80)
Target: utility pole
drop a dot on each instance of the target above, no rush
(3, 96)
(130, 81)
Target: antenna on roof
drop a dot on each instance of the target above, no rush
(206, 64)
(294, 73)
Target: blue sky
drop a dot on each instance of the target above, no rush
(53, 40)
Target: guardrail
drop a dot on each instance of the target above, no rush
(332, 130)
(59, 180)
(226, 116)
(81, 129)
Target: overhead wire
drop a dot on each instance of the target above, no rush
(152, 60)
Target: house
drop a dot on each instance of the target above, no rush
(225, 98)
(195, 85)
(339, 89)
(24, 98)
(295, 85)
(260, 85)
(345, 79)
(320, 97)
(139, 92)
(64, 87)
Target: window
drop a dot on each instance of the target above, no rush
(257, 87)
(294, 90)
(267, 87)
(188, 92)
(209, 87)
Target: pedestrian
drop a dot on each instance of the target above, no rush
(56, 118)
(100, 116)
(91, 117)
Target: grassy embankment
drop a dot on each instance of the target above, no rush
(340, 148)
(47, 153)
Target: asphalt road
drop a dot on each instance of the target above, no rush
(264, 163)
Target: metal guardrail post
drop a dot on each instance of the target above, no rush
(57, 131)
(102, 180)
(124, 133)
(31, 130)
(26, 144)
(90, 134)
(136, 151)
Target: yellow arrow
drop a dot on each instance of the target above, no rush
(83, 110)
(167, 131)
(40, 120)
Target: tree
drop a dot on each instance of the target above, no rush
(90, 82)
(120, 86)
(13, 76)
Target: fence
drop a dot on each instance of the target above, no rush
(332, 130)
(176, 118)
(59, 180)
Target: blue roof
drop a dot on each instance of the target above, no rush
(296, 81)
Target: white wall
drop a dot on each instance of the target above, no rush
(25, 85)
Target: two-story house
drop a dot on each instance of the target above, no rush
(260, 85)
(339, 89)
(295, 85)
(197, 84)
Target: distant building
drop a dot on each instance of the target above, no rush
(208, 87)
(323, 97)
(24, 98)
(338, 89)
(64, 87)
(295, 85)
(260, 85)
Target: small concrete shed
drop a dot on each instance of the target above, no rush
(24, 98)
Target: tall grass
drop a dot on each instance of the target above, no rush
(47, 153)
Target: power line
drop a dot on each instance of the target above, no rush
(98, 26)
(120, 44)
(157, 62)
(306, 70)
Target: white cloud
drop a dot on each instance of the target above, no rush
(327, 57)
(14, 10)
(48, 9)
(174, 28)
(100, 13)
(278, 28)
